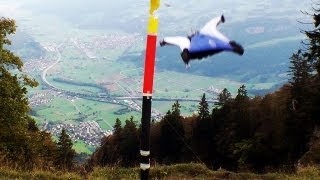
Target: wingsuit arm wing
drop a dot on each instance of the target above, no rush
(182, 42)
(210, 28)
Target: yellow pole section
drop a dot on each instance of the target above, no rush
(153, 25)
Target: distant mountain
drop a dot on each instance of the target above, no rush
(25, 46)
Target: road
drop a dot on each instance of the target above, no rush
(44, 73)
(105, 99)
(164, 99)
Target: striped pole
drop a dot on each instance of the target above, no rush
(147, 91)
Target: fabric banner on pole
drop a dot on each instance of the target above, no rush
(154, 5)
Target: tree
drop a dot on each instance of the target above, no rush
(107, 154)
(172, 135)
(313, 54)
(117, 129)
(299, 123)
(14, 106)
(129, 143)
(242, 94)
(305, 93)
(224, 97)
(301, 73)
(42, 149)
(203, 130)
(176, 109)
(242, 123)
(203, 109)
(65, 153)
(314, 40)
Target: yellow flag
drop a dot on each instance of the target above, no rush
(154, 5)
(153, 25)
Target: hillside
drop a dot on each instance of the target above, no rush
(179, 171)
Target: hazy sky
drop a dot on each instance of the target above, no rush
(109, 7)
(106, 14)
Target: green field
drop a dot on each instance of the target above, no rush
(80, 147)
(124, 79)
(187, 108)
(58, 110)
(62, 110)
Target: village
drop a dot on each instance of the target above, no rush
(89, 132)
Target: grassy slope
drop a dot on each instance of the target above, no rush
(199, 171)
(80, 147)
(180, 171)
(6, 173)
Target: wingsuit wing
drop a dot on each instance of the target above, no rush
(182, 42)
(210, 28)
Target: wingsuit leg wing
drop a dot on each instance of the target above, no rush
(237, 48)
(185, 55)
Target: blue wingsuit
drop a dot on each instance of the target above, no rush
(204, 43)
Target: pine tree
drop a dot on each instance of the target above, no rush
(301, 73)
(176, 109)
(314, 40)
(172, 135)
(203, 139)
(305, 94)
(313, 53)
(242, 94)
(242, 122)
(224, 97)
(117, 129)
(129, 143)
(65, 153)
(203, 109)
